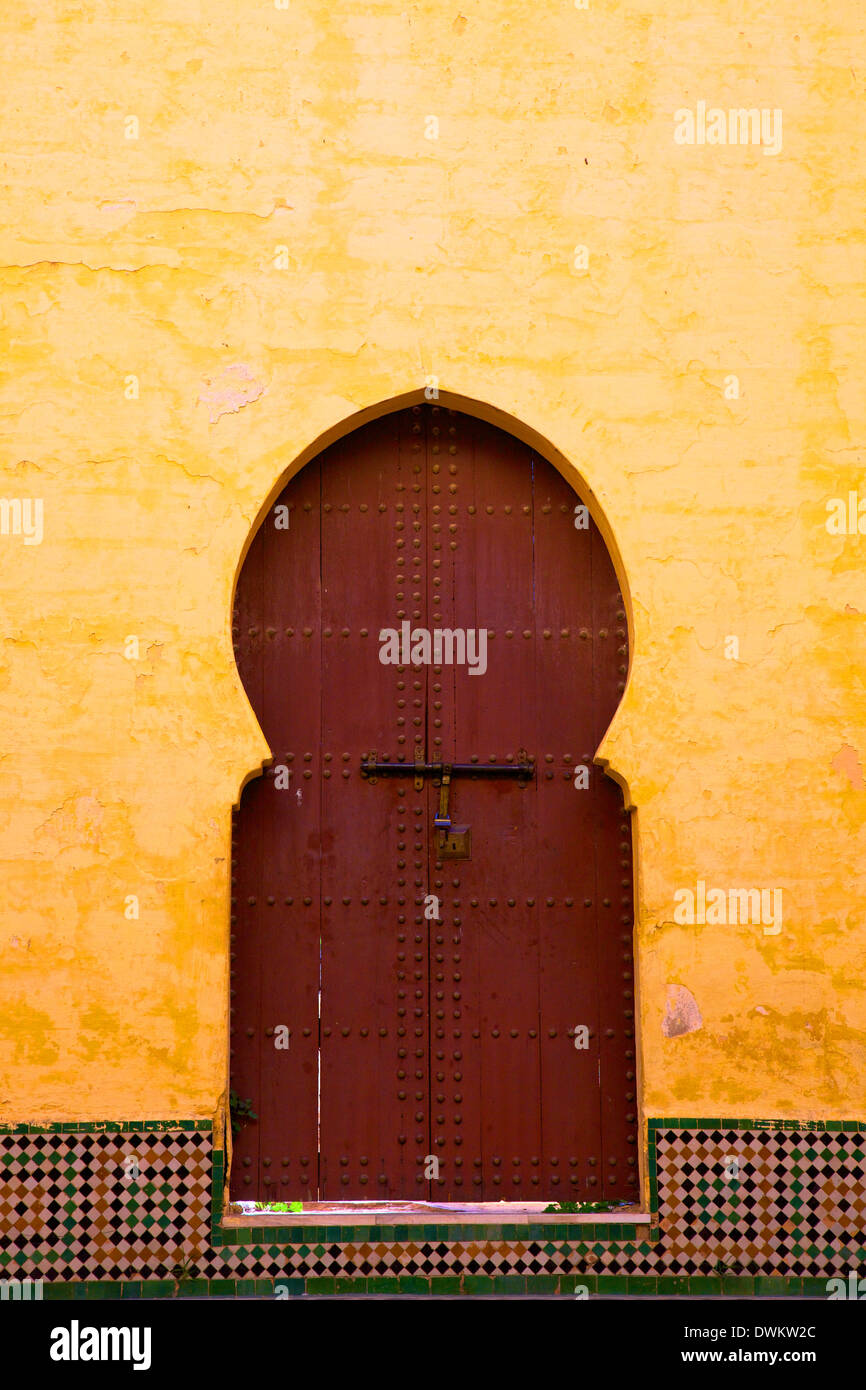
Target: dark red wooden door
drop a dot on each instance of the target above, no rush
(475, 1011)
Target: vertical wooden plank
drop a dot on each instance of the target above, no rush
(498, 711)
(276, 970)
(618, 1066)
(487, 1109)
(566, 879)
(374, 971)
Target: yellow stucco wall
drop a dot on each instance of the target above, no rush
(158, 258)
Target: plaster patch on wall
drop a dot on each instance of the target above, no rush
(682, 1014)
(230, 391)
(120, 212)
(847, 761)
(77, 822)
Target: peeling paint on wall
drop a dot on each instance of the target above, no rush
(847, 761)
(229, 391)
(682, 1014)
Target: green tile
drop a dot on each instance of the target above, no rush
(130, 1288)
(265, 1287)
(816, 1288)
(414, 1283)
(766, 1286)
(194, 1288)
(613, 1283)
(536, 1283)
(102, 1289)
(739, 1285)
(157, 1288)
(642, 1284)
(476, 1284)
(443, 1284)
(294, 1288)
(509, 1283)
(383, 1286)
(673, 1284)
(348, 1285)
(58, 1293)
(315, 1286)
(222, 1287)
(705, 1283)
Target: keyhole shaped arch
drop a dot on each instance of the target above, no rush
(527, 434)
(276, 857)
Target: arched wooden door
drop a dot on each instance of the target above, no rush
(474, 1010)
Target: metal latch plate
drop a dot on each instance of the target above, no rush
(455, 843)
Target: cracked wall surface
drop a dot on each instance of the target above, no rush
(225, 234)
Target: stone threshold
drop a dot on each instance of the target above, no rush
(429, 1213)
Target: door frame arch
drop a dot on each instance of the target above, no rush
(519, 429)
(492, 415)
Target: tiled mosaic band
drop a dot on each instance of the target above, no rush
(139, 1203)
